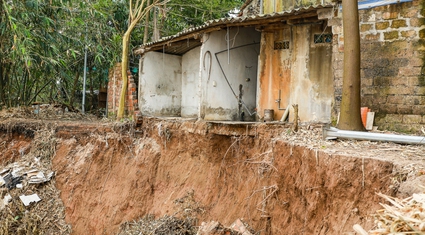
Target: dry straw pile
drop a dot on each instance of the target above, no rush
(402, 216)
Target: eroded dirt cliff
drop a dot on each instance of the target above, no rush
(234, 171)
(278, 181)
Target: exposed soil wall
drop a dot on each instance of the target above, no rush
(111, 175)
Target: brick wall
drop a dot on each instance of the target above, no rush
(114, 92)
(392, 64)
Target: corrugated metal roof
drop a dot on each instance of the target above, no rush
(165, 42)
(367, 4)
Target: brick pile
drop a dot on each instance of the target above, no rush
(114, 92)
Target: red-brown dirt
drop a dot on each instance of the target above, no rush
(13, 144)
(278, 181)
(109, 175)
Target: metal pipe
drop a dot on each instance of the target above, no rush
(84, 81)
(334, 133)
(85, 75)
(228, 45)
(278, 102)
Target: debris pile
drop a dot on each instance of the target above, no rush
(162, 226)
(165, 225)
(403, 216)
(215, 228)
(183, 222)
(29, 200)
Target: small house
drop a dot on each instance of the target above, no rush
(237, 69)
(279, 53)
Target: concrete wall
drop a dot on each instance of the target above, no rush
(190, 83)
(160, 84)
(217, 99)
(275, 72)
(312, 84)
(302, 73)
(392, 64)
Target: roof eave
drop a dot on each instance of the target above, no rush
(218, 24)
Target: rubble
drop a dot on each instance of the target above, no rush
(4, 201)
(184, 222)
(29, 200)
(177, 226)
(162, 226)
(216, 228)
(239, 226)
(17, 174)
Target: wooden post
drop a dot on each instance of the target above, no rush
(295, 106)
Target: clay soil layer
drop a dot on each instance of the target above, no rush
(110, 174)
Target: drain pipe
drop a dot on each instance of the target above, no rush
(261, 7)
(334, 133)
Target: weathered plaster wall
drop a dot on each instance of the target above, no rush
(319, 65)
(217, 99)
(190, 83)
(160, 84)
(275, 71)
(312, 86)
(302, 73)
(392, 66)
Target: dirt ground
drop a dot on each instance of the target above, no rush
(276, 180)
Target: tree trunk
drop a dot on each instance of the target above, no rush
(74, 88)
(124, 68)
(93, 98)
(155, 25)
(350, 118)
(2, 76)
(5, 86)
(133, 21)
(146, 33)
(163, 9)
(23, 88)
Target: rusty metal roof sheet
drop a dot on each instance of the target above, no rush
(193, 35)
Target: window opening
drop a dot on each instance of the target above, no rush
(323, 38)
(281, 45)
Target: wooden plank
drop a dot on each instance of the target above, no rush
(369, 120)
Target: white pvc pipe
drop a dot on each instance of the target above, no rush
(333, 133)
(285, 114)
